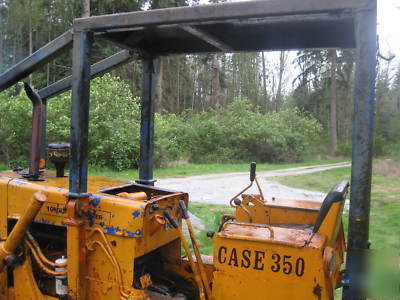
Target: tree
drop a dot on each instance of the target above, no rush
(278, 96)
(265, 103)
(333, 127)
(216, 85)
(86, 9)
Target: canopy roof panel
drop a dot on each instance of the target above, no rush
(232, 27)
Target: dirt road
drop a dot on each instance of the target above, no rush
(219, 188)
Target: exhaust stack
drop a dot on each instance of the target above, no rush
(34, 157)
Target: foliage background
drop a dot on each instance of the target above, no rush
(214, 107)
(237, 132)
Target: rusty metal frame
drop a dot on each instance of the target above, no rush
(215, 13)
(192, 20)
(96, 70)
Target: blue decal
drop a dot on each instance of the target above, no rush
(20, 182)
(129, 233)
(91, 217)
(136, 214)
(95, 200)
(115, 230)
(111, 229)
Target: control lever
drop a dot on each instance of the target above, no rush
(253, 178)
(196, 274)
(253, 166)
(170, 219)
(203, 274)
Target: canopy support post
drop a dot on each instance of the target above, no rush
(361, 172)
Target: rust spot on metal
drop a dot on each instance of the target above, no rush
(34, 160)
(317, 291)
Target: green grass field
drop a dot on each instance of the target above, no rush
(194, 169)
(211, 216)
(199, 169)
(384, 273)
(385, 202)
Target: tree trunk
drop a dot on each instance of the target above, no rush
(264, 74)
(159, 84)
(1, 48)
(86, 9)
(48, 64)
(278, 98)
(215, 87)
(333, 127)
(178, 104)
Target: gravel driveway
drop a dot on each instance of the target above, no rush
(219, 188)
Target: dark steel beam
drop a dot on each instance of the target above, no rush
(80, 112)
(363, 126)
(146, 160)
(216, 12)
(96, 70)
(78, 165)
(33, 62)
(208, 38)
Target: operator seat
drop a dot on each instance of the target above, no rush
(329, 218)
(335, 200)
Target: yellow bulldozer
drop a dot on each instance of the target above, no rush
(66, 235)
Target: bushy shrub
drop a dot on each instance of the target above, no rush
(241, 132)
(379, 145)
(343, 149)
(238, 132)
(169, 142)
(15, 126)
(114, 123)
(113, 131)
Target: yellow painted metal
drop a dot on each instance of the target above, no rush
(92, 273)
(3, 286)
(291, 238)
(108, 242)
(134, 196)
(76, 250)
(332, 223)
(4, 180)
(279, 211)
(25, 286)
(250, 264)
(4, 291)
(101, 210)
(195, 269)
(17, 234)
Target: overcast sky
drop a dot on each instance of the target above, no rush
(389, 26)
(389, 40)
